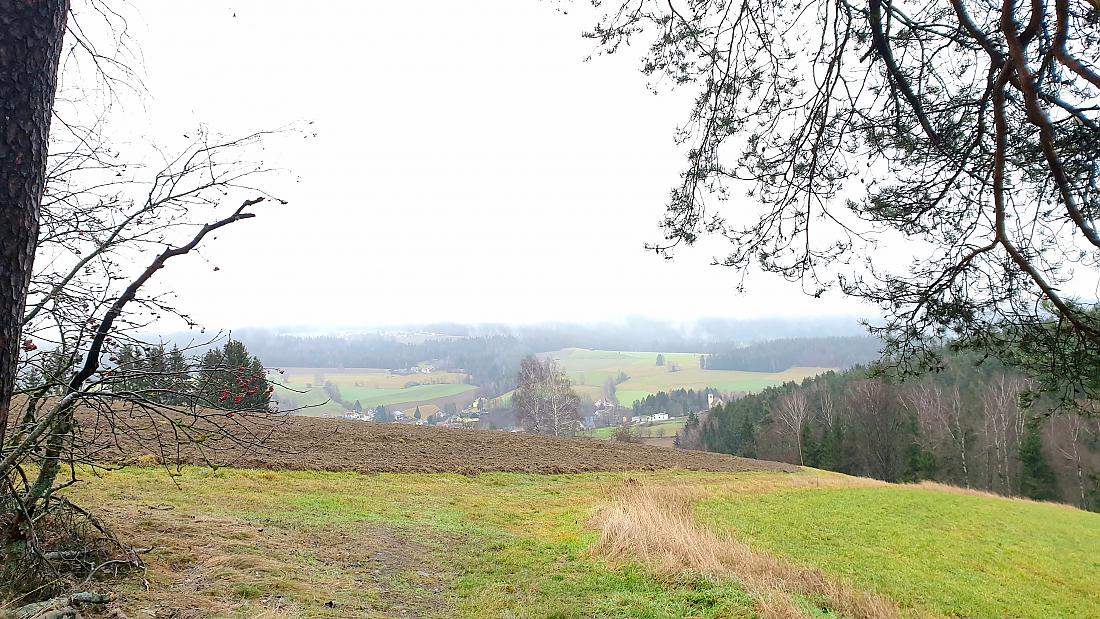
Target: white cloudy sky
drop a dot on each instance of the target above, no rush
(468, 166)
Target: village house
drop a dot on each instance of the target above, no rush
(354, 416)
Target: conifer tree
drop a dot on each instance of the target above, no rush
(234, 379)
(1037, 477)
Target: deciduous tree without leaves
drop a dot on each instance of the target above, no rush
(545, 401)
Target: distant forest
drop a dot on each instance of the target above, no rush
(491, 362)
(710, 335)
(813, 352)
(966, 425)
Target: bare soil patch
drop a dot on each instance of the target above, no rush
(334, 445)
(203, 566)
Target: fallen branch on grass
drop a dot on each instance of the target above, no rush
(63, 607)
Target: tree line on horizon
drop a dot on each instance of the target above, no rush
(777, 355)
(492, 361)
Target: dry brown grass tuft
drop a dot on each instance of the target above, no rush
(655, 524)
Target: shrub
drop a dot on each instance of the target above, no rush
(626, 434)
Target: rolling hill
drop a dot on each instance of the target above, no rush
(591, 369)
(305, 387)
(523, 538)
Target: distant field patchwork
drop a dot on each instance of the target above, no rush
(660, 429)
(305, 387)
(590, 370)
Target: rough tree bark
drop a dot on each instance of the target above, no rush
(31, 34)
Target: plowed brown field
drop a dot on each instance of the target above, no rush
(333, 445)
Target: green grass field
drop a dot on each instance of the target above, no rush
(240, 543)
(659, 429)
(955, 555)
(590, 369)
(371, 387)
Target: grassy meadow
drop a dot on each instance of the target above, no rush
(952, 554)
(653, 430)
(590, 369)
(246, 543)
(371, 387)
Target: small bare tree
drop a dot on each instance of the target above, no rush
(1005, 422)
(82, 407)
(877, 427)
(826, 408)
(70, 396)
(792, 410)
(939, 414)
(545, 401)
(1070, 434)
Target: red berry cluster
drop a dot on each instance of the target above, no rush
(246, 385)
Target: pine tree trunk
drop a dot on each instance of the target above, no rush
(31, 33)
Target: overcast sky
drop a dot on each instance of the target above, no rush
(468, 166)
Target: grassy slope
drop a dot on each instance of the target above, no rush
(513, 545)
(521, 545)
(590, 369)
(420, 393)
(954, 554)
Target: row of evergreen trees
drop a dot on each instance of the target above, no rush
(676, 403)
(226, 377)
(966, 426)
